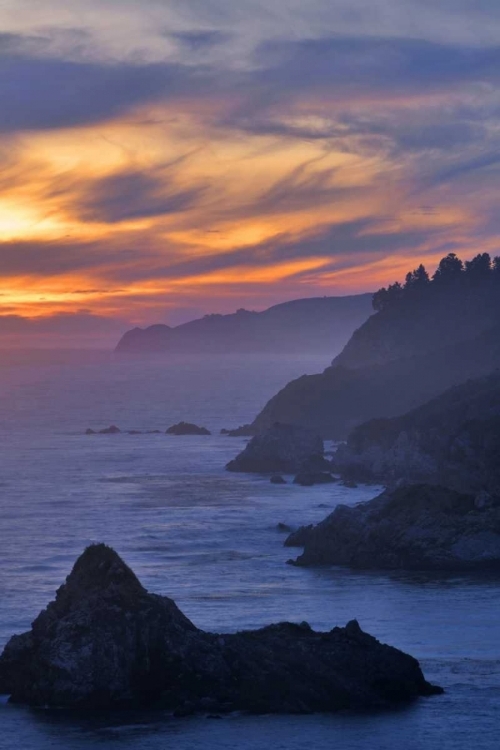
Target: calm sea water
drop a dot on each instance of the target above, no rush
(209, 539)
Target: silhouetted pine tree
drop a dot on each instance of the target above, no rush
(451, 275)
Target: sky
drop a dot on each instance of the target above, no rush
(161, 159)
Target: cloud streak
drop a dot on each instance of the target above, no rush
(216, 158)
(134, 195)
(43, 93)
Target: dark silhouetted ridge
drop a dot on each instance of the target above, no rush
(321, 325)
(426, 336)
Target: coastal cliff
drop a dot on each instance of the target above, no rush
(425, 337)
(336, 401)
(418, 527)
(282, 448)
(453, 440)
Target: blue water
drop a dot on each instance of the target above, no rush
(209, 540)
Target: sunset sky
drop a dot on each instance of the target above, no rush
(160, 159)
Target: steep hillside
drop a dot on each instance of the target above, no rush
(334, 402)
(453, 440)
(424, 315)
(424, 338)
(322, 324)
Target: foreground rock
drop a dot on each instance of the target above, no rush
(418, 527)
(282, 448)
(105, 641)
(187, 428)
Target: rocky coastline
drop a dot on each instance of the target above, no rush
(283, 448)
(453, 440)
(414, 527)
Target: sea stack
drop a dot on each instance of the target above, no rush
(106, 642)
(187, 428)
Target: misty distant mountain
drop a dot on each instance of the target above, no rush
(315, 325)
(426, 336)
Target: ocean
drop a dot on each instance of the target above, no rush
(210, 540)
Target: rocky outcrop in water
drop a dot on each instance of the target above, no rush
(310, 478)
(105, 641)
(282, 448)
(417, 527)
(114, 430)
(299, 537)
(244, 430)
(187, 428)
(111, 430)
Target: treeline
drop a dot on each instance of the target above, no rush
(452, 273)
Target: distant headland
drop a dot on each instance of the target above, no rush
(314, 325)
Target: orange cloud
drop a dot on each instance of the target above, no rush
(195, 198)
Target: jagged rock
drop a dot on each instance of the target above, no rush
(452, 440)
(309, 478)
(106, 642)
(112, 430)
(245, 430)
(305, 480)
(282, 448)
(299, 538)
(315, 464)
(284, 527)
(350, 484)
(415, 527)
(277, 479)
(89, 431)
(186, 428)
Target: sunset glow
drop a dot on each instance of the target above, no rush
(156, 165)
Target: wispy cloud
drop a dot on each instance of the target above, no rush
(198, 154)
(134, 195)
(43, 93)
